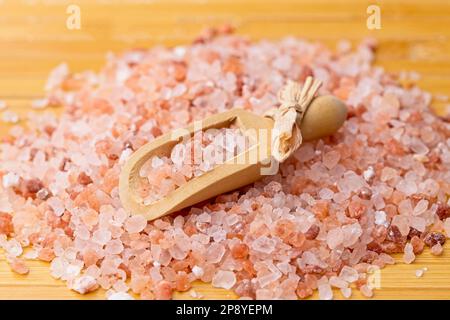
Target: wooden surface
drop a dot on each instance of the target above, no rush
(34, 38)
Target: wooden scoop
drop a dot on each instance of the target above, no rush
(324, 116)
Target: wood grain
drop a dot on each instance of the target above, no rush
(34, 39)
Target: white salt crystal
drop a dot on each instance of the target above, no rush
(408, 256)
(120, 296)
(335, 237)
(10, 180)
(338, 282)
(57, 205)
(125, 155)
(39, 103)
(157, 162)
(369, 173)
(348, 274)
(420, 207)
(57, 267)
(84, 284)
(13, 248)
(264, 244)
(197, 271)
(224, 279)
(215, 252)
(346, 292)
(366, 291)
(101, 236)
(380, 218)
(10, 117)
(407, 187)
(419, 273)
(326, 194)
(325, 292)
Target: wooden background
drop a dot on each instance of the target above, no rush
(34, 38)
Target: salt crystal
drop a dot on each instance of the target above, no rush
(84, 284)
(215, 253)
(197, 271)
(120, 296)
(2, 105)
(420, 207)
(366, 291)
(409, 255)
(101, 236)
(135, 223)
(10, 180)
(57, 205)
(326, 194)
(325, 292)
(264, 245)
(419, 273)
(346, 292)
(331, 159)
(369, 174)
(338, 282)
(335, 238)
(348, 274)
(380, 218)
(224, 279)
(10, 117)
(437, 249)
(13, 248)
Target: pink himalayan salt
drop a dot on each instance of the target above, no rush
(348, 274)
(157, 90)
(437, 249)
(409, 255)
(135, 224)
(366, 291)
(346, 292)
(189, 159)
(120, 296)
(325, 292)
(83, 284)
(224, 279)
(18, 265)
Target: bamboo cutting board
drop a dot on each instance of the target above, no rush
(414, 35)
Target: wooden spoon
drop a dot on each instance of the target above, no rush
(324, 116)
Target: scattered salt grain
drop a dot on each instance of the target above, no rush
(224, 279)
(346, 292)
(409, 255)
(10, 117)
(120, 296)
(325, 292)
(84, 284)
(10, 180)
(366, 291)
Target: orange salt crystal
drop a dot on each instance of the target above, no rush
(46, 254)
(18, 266)
(239, 251)
(163, 290)
(6, 226)
(182, 282)
(320, 209)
